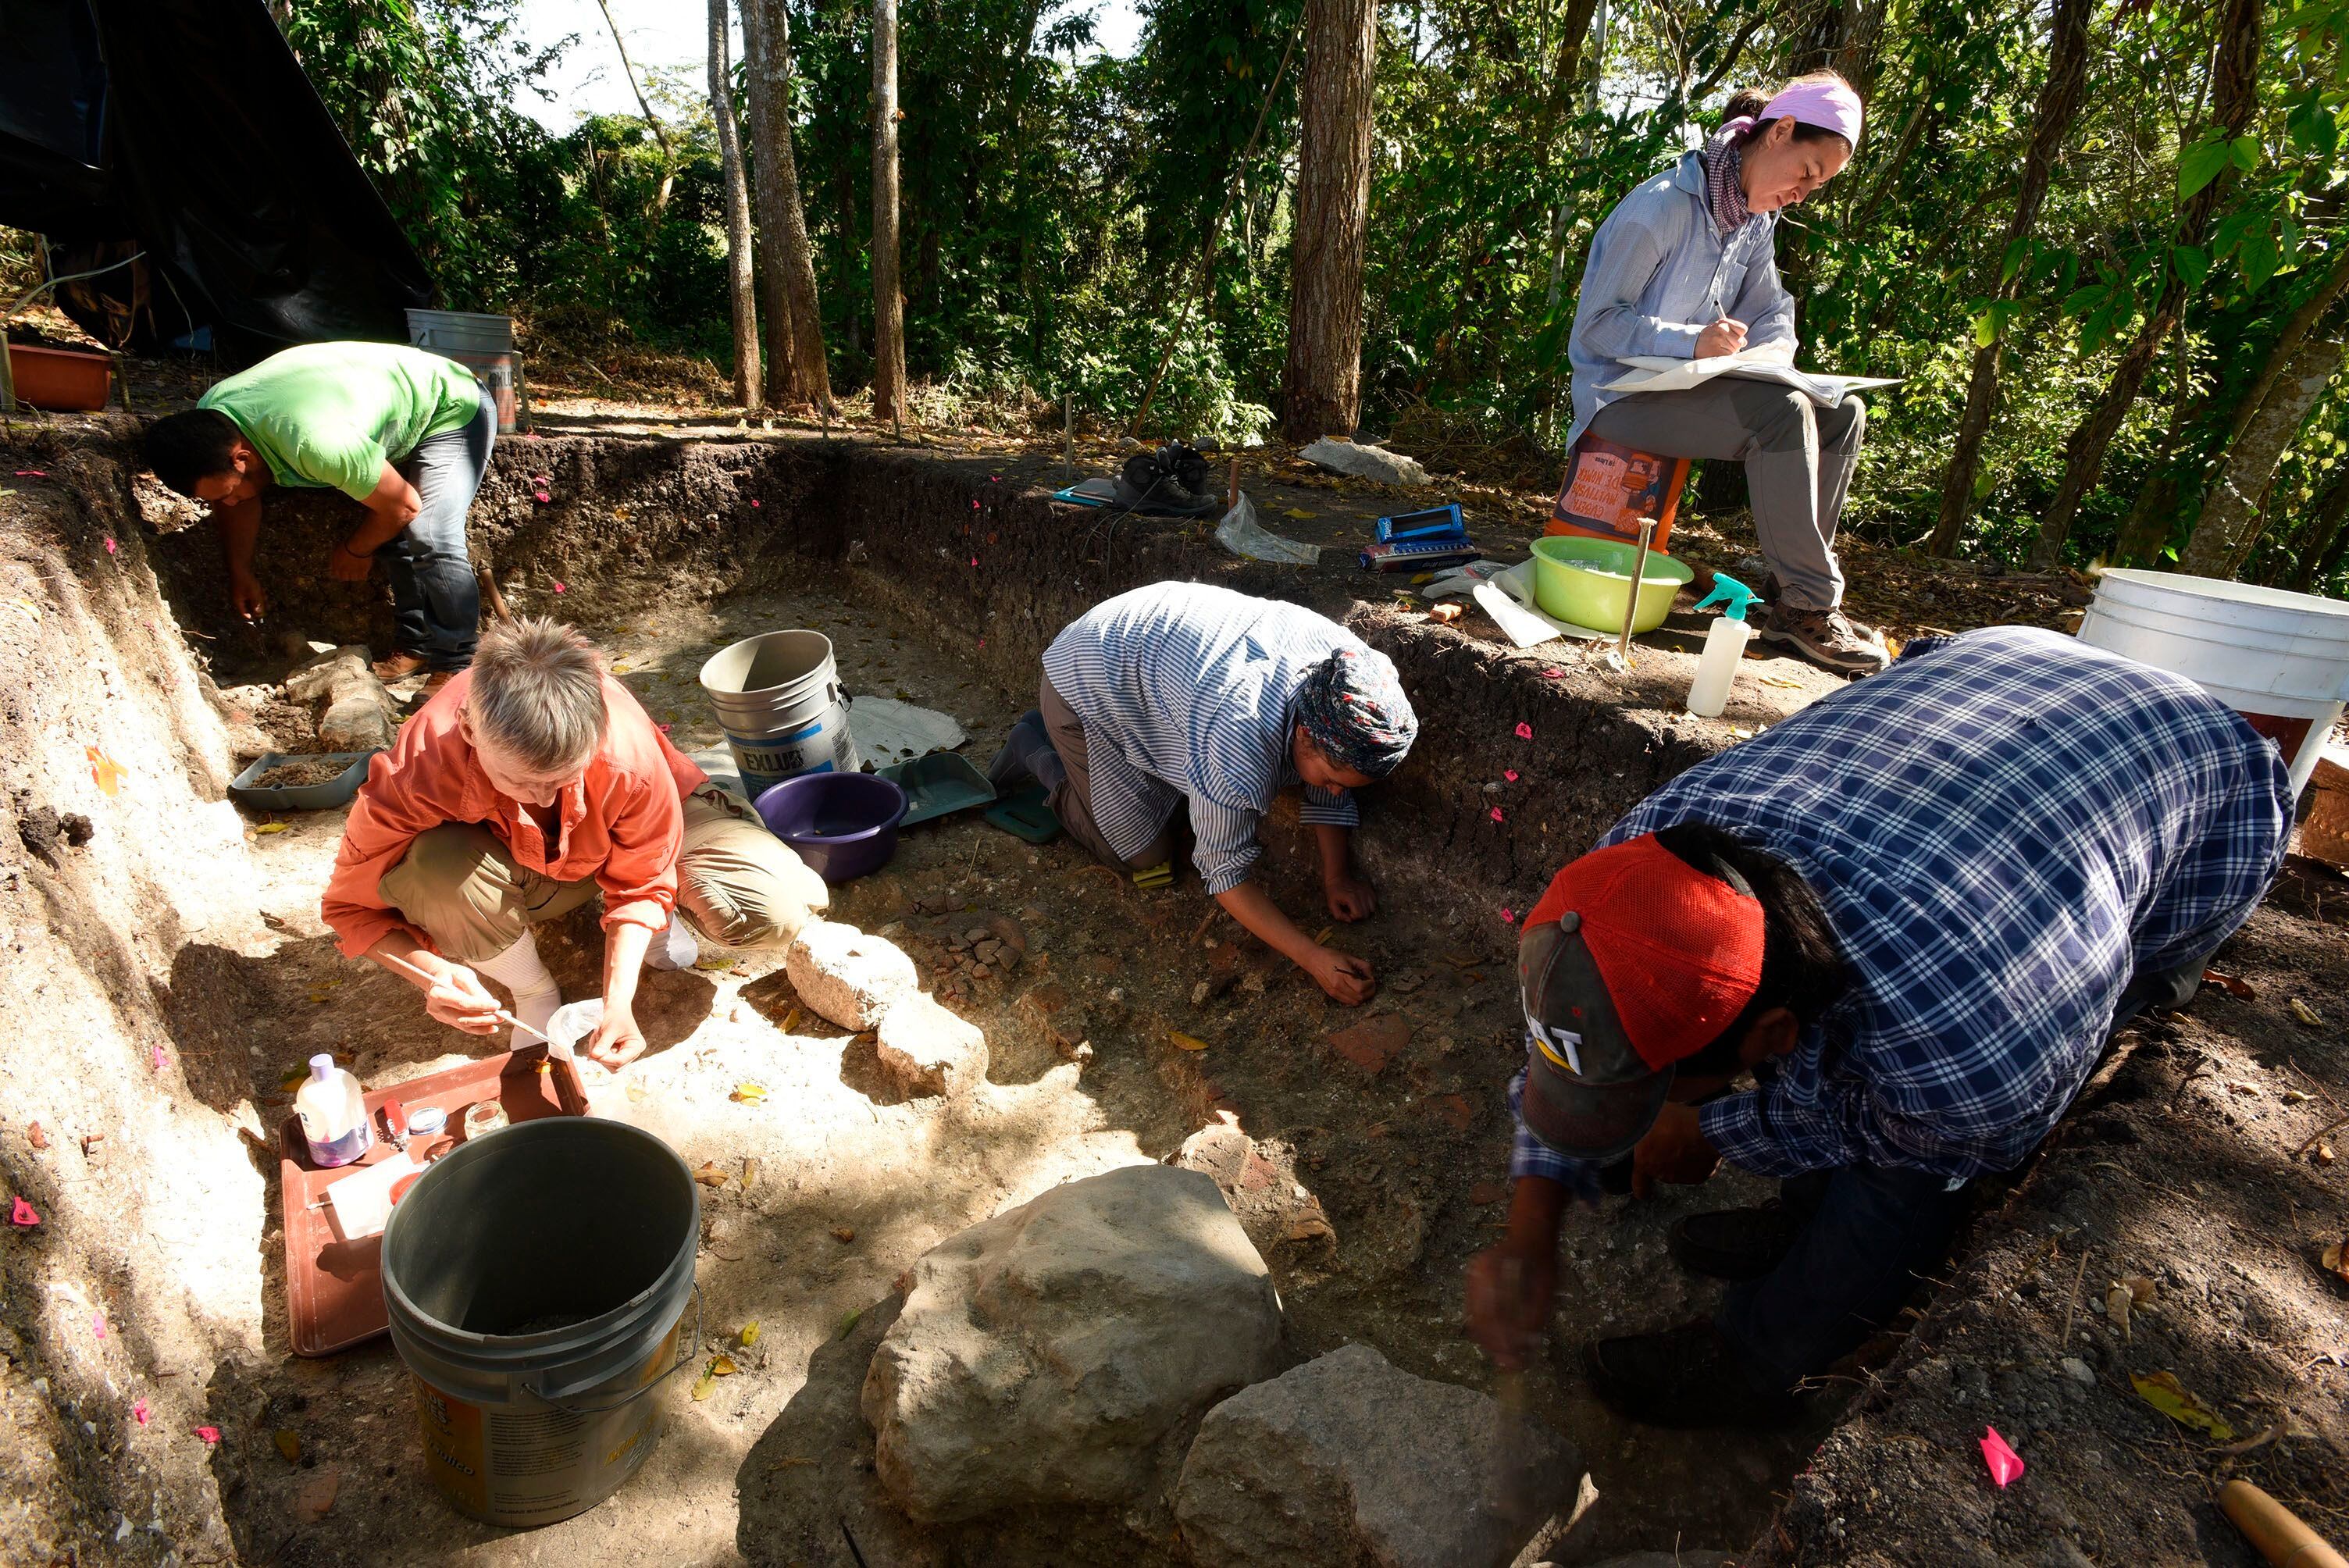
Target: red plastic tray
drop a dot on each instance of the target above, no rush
(334, 1288)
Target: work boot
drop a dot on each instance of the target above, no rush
(1736, 1243)
(398, 668)
(1828, 639)
(1689, 1376)
(1016, 764)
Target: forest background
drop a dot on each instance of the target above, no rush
(2101, 240)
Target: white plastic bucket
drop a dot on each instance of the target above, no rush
(780, 701)
(482, 345)
(2281, 659)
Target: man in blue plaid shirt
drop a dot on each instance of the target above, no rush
(1915, 912)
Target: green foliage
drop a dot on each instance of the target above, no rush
(1056, 205)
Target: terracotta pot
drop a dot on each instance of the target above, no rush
(60, 379)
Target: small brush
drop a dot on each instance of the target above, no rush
(432, 980)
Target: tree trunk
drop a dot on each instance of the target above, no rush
(1321, 389)
(2234, 93)
(627, 69)
(2225, 528)
(741, 275)
(2059, 102)
(888, 300)
(774, 293)
(2327, 536)
(790, 248)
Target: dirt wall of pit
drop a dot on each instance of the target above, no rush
(971, 562)
(119, 856)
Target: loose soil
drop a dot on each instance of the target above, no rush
(169, 975)
(297, 774)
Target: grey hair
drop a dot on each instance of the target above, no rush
(538, 692)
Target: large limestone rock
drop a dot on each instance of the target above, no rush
(846, 975)
(1047, 1356)
(355, 713)
(1365, 462)
(1348, 1459)
(927, 1052)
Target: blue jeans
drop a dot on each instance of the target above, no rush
(436, 602)
(1870, 1234)
(1857, 1259)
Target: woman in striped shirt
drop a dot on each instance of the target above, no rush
(1185, 693)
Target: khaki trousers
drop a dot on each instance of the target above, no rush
(1071, 796)
(738, 884)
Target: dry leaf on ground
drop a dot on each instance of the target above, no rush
(2307, 1014)
(1182, 1042)
(289, 1443)
(2166, 1394)
(710, 1175)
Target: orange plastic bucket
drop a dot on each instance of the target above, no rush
(1609, 488)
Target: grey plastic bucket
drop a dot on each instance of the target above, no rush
(779, 700)
(562, 1218)
(481, 344)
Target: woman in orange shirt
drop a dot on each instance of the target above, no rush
(530, 783)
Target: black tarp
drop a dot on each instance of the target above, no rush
(187, 127)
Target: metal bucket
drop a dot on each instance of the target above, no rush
(583, 1233)
(482, 345)
(778, 699)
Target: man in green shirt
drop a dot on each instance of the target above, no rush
(403, 432)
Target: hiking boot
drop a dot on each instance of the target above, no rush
(1736, 1243)
(1685, 1377)
(398, 668)
(1016, 764)
(1826, 638)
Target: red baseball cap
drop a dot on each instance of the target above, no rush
(1634, 960)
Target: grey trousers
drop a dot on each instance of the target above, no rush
(1071, 795)
(1799, 460)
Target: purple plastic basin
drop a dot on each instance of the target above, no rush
(843, 825)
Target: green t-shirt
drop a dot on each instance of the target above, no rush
(330, 415)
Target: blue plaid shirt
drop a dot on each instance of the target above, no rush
(2003, 829)
(1187, 691)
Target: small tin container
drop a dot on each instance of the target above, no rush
(426, 1121)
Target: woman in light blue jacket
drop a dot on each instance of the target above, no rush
(1686, 268)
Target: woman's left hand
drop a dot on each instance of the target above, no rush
(616, 1041)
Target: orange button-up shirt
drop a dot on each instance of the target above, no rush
(623, 820)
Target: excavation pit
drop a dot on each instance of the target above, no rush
(178, 972)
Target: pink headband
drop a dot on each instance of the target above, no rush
(1830, 106)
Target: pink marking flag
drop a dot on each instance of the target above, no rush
(2005, 1464)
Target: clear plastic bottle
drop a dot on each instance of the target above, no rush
(333, 1115)
(1724, 646)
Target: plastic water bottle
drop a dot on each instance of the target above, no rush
(1724, 646)
(333, 1115)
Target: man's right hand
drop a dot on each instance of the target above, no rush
(246, 597)
(1510, 1294)
(1725, 336)
(1346, 979)
(458, 999)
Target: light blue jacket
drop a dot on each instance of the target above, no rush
(1661, 273)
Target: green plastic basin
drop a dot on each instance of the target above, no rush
(1585, 581)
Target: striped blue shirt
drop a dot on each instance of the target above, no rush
(1187, 691)
(2003, 830)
